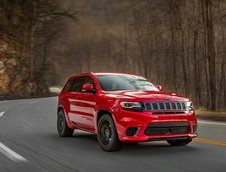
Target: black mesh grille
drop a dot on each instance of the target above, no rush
(167, 128)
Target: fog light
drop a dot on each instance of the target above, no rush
(194, 128)
(131, 131)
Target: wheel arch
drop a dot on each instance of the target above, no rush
(102, 112)
(60, 107)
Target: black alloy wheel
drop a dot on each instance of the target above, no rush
(107, 135)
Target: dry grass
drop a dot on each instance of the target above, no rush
(211, 115)
(203, 112)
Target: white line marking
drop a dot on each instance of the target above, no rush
(11, 154)
(33, 102)
(1, 114)
(212, 123)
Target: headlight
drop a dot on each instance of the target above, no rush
(135, 106)
(189, 106)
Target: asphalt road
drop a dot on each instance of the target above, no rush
(29, 143)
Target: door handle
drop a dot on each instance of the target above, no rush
(78, 97)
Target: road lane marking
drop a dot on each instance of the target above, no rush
(11, 154)
(210, 122)
(33, 102)
(1, 114)
(208, 141)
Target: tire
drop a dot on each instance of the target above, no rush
(62, 127)
(107, 135)
(179, 142)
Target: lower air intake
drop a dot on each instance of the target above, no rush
(131, 131)
(167, 128)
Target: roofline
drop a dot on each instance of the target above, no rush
(100, 73)
(113, 73)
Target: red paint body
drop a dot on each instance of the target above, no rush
(82, 110)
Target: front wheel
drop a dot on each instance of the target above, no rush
(179, 142)
(107, 135)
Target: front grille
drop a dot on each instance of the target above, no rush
(167, 128)
(171, 112)
(165, 106)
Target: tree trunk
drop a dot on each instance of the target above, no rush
(211, 54)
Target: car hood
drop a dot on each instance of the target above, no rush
(146, 96)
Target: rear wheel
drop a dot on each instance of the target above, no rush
(62, 127)
(179, 142)
(107, 135)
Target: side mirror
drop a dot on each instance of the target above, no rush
(88, 88)
(159, 87)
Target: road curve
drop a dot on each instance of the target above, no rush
(29, 143)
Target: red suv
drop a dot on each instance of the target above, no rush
(123, 108)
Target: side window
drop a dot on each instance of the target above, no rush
(68, 87)
(89, 80)
(77, 84)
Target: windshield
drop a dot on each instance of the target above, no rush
(124, 82)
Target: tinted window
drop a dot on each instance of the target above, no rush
(77, 84)
(68, 86)
(124, 82)
(89, 80)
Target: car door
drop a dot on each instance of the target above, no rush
(87, 102)
(75, 114)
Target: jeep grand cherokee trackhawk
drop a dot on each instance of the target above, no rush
(123, 108)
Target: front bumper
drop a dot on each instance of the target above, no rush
(140, 121)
